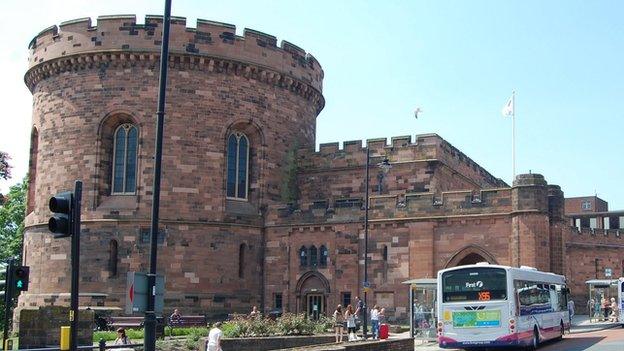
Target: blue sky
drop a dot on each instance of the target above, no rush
(457, 60)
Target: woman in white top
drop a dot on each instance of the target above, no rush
(214, 338)
(375, 321)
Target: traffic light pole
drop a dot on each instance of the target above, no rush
(8, 298)
(75, 263)
(149, 337)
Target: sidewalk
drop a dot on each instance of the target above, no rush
(580, 324)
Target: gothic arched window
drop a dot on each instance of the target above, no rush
(323, 257)
(303, 256)
(125, 159)
(313, 256)
(237, 166)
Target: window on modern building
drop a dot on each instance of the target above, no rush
(125, 159)
(313, 256)
(112, 257)
(586, 205)
(605, 223)
(593, 222)
(621, 222)
(323, 256)
(237, 166)
(241, 261)
(577, 223)
(303, 256)
(345, 297)
(277, 301)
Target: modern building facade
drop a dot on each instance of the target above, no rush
(251, 213)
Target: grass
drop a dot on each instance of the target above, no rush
(194, 333)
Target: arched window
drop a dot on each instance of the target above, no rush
(125, 159)
(323, 258)
(303, 256)
(237, 166)
(241, 261)
(313, 256)
(112, 258)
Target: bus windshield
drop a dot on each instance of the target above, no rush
(474, 284)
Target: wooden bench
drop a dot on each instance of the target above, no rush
(188, 321)
(125, 322)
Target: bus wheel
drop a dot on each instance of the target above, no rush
(562, 331)
(535, 341)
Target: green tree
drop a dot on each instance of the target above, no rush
(5, 168)
(12, 213)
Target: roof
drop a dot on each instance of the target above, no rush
(422, 282)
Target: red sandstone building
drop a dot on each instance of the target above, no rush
(251, 214)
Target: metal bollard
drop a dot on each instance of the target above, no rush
(102, 344)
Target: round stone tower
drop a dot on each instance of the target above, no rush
(235, 107)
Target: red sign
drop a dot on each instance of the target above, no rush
(131, 293)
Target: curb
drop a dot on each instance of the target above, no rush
(590, 330)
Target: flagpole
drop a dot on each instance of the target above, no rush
(513, 136)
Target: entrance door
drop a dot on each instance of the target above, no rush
(315, 306)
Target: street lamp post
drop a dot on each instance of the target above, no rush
(385, 166)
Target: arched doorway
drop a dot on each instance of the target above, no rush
(312, 291)
(470, 255)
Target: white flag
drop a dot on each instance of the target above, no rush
(417, 111)
(508, 109)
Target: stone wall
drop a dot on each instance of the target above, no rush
(589, 252)
(270, 343)
(42, 327)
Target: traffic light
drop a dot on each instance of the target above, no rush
(20, 278)
(61, 222)
(4, 269)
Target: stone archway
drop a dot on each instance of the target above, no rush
(470, 255)
(312, 291)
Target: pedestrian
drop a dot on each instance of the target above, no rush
(339, 323)
(615, 311)
(571, 308)
(214, 338)
(597, 310)
(359, 311)
(350, 317)
(606, 308)
(122, 339)
(374, 315)
(175, 317)
(254, 312)
(382, 316)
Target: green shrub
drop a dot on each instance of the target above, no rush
(287, 324)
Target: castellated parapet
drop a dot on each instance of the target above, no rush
(211, 46)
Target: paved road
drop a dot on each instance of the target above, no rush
(604, 340)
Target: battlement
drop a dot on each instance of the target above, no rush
(398, 206)
(589, 237)
(400, 149)
(122, 33)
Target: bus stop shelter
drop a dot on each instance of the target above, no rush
(422, 297)
(600, 290)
